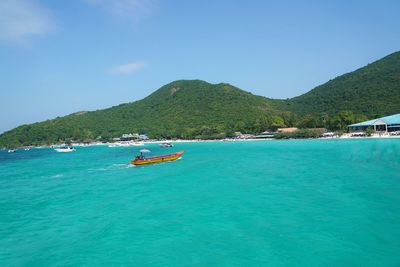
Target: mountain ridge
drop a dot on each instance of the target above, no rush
(376, 76)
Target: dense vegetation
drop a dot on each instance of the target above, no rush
(372, 91)
(197, 109)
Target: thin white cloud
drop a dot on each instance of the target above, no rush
(133, 10)
(20, 20)
(127, 68)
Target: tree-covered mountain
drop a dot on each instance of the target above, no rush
(372, 91)
(183, 109)
(197, 109)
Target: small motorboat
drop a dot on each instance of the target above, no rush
(65, 149)
(142, 160)
(166, 145)
(12, 150)
(137, 144)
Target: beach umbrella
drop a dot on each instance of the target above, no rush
(144, 151)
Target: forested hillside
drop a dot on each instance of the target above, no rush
(372, 91)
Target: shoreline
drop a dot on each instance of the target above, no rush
(345, 137)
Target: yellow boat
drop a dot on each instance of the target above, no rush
(141, 160)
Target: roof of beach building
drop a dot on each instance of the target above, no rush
(392, 119)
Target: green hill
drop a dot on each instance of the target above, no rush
(181, 109)
(372, 91)
(197, 109)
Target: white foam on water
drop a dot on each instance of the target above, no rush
(112, 167)
(123, 165)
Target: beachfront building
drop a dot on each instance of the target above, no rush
(384, 124)
(143, 137)
(239, 135)
(131, 137)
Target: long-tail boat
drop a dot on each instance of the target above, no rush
(141, 160)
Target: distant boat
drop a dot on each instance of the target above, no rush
(65, 149)
(12, 150)
(27, 149)
(166, 145)
(137, 144)
(141, 160)
(118, 144)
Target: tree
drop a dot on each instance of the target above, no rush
(307, 121)
(277, 122)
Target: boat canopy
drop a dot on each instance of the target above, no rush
(144, 151)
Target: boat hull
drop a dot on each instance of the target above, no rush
(63, 150)
(157, 159)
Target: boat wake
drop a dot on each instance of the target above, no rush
(123, 166)
(113, 167)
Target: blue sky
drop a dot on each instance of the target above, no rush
(59, 57)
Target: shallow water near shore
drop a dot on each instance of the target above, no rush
(261, 203)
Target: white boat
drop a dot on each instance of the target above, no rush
(137, 144)
(166, 145)
(65, 149)
(12, 150)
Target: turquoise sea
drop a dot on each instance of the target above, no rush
(261, 203)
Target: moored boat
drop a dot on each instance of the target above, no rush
(137, 144)
(65, 149)
(141, 160)
(12, 150)
(166, 145)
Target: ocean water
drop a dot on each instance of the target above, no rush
(261, 203)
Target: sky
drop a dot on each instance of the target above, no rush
(60, 57)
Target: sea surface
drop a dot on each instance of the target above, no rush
(261, 203)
